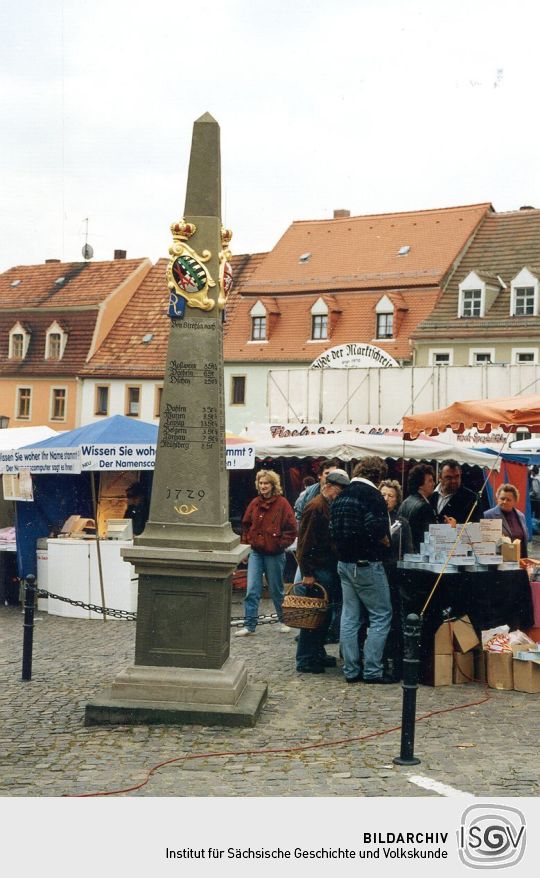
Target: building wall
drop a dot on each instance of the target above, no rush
(502, 350)
(117, 398)
(40, 402)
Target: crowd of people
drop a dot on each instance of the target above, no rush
(347, 532)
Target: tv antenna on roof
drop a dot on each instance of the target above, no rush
(87, 250)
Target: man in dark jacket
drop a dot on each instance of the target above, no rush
(451, 499)
(360, 529)
(417, 508)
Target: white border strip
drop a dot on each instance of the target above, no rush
(436, 786)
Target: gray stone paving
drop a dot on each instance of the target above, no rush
(485, 749)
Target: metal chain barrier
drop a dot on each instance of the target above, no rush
(236, 622)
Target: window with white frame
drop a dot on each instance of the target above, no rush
(24, 403)
(133, 401)
(19, 339)
(471, 303)
(319, 321)
(384, 317)
(524, 294)
(258, 322)
(101, 406)
(258, 328)
(385, 325)
(524, 356)
(319, 327)
(440, 357)
(58, 403)
(481, 356)
(524, 301)
(477, 294)
(55, 342)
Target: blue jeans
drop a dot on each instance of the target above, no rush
(272, 566)
(366, 600)
(310, 651)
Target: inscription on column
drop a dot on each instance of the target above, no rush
(191, 420)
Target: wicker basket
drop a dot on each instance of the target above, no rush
(300, 611)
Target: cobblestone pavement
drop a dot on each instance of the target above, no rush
(487, 749)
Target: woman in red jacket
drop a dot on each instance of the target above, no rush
(268, 526)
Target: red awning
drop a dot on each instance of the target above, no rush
(507, 413)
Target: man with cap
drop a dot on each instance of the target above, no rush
(317, 561)
(360, 528)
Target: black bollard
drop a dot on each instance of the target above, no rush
(411, 662)
(28, 627)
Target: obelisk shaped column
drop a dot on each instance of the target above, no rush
(188, 550)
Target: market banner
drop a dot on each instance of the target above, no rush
(100, 457)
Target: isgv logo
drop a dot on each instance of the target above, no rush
(491, 836)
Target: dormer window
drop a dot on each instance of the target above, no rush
(524, 294)
(258, 322)
(55, 342)
(258, 328)
(384, 312)
(471, 303)
(477, 293)
(19, 339)
(319, 321)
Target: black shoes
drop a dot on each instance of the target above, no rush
(357, 679)
(329, 661)
(311, 669)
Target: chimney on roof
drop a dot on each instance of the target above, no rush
(47, 261)
(120, 254)
(341, 214)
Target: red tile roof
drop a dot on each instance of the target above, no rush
(124, 353)
(362, 252)
(79, 327)
(355, 321)
(84, 283)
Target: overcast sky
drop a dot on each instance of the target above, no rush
(371, 105)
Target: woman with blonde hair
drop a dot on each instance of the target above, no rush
(268, 526)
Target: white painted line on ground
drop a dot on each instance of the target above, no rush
(435, 786)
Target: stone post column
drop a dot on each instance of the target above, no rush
(188, 551)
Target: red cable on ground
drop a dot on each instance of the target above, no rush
(267, 751)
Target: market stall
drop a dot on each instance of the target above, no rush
(12, 438)
(80, 480)
(469, 577)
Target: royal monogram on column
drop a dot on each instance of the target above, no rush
(187, 553)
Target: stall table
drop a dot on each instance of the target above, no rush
(488, 598)
(72, 572)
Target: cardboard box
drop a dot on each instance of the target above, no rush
(500, 672)
(457, 635)
(438, 671)
(480, 662)
(442, 643)
(464, 634)
(526, 676)
(511, 551)
(463, 669)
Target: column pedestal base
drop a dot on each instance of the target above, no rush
(151, 695)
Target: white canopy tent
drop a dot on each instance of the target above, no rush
(18, 437)
(353, 446)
